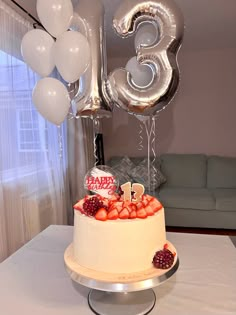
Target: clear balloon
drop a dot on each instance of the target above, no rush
(55, 15)
(91, 99)
(51, 99)
(147, 34)
(141, 75)
(72, 89)
(37, 51)
(72, 55)
(78, 24)
(160, 56)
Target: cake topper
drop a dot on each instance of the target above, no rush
(132, 192)
(101, 180)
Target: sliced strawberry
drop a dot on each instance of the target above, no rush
(117, 196)
(113, 215)
(139, 205)
(155, 204)
(145, 197)
(101, 214)
(118, 205)
(149, 198)
(149, 210)
(165, 246)
(145, 202)
(133, 215)
(126, 203)
(141, 213)
(133, 207)
(124, 214)
(79, 205)
(113, 197)
(128, 206)
(106, 202)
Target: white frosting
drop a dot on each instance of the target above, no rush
(118, 246)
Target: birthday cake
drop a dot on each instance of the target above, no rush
(116, 235)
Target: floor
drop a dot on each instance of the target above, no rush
(231, 233)
(201, 231)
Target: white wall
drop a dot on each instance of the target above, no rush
(200, 119)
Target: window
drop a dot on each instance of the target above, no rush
(23, 131)
(32, 131)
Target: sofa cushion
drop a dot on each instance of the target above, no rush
(225, 199)
(221, 172)
(122, 169)
(139, 174)
(184, 170)
(134, 169)
(187, 198)
(115, 160)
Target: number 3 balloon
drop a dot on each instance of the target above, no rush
(161, 56)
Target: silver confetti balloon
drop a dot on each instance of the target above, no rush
(161, 56)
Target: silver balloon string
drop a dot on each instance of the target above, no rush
(153, 150)
(96, 128)
(150, 132)
(73, 91)
(140, 144)
(70, 116)
(60, 165)
(60, 142)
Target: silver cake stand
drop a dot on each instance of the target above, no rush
(119, 294)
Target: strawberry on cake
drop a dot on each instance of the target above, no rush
(117, 236)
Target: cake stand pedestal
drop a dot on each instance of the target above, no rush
(116, 294)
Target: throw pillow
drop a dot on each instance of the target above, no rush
(123, 170)
(139, 174)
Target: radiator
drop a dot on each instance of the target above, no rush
(37, 212)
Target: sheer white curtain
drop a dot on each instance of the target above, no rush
(33, 152)
(81, 156)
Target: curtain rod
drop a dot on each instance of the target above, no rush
(31, 16)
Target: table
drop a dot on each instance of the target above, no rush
(34, 280)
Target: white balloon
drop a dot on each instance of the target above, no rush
(72, 55)
(146, 35)
(51, 99)
(37, 51)
(55, 15)
(142, 75)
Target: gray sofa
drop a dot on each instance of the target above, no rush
(199, 191)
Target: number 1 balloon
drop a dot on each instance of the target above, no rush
(90, 100)
(161, 56)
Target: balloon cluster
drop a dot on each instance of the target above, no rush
(74, 43)
(58, 47)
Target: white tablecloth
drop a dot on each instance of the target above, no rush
(34, 280)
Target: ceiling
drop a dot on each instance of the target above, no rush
(209, 25)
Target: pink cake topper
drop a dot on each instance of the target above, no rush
(101, 180)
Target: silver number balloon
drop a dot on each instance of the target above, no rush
(160, 56)
(89, 101)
